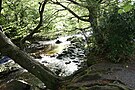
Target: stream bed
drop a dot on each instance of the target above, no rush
(63, 56)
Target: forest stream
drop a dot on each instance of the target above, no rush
(67, 44)
(64, 56)
(61, 55)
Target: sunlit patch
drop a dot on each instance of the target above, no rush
(54, 64)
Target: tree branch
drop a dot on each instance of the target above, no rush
(74, 2)
(7, 48)
(35, 30)
(74, 14)
(84, 33)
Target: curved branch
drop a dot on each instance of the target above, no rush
(35, 30)
(74, 14)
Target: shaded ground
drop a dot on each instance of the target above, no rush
(104, 76)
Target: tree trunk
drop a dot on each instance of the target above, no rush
(7, 48)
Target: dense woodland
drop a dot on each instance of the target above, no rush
(111, 39)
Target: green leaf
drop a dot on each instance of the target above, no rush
(120, 11)
(127, 8)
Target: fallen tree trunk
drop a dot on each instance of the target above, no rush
(7, 48)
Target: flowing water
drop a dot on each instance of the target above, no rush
(65, 65)
(63, 58)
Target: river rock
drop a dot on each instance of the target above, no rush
(72, 57)
(68, 62)
(15, 85)
(81, 55)
(75, 61)
(60, 56)
(58, 42)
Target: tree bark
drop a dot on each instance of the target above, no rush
(7, 48)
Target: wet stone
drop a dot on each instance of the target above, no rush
(72, 47)
(79, 49)
(72, 41)
(64, 52)
(81, 55)
(72, 57)
(75, 61)
(73, 54)
(68, 62)
(71, 51)
(60, 56)
(71, 38)
(58, 42)
(44, 62)
(79, 65)
(53, 56)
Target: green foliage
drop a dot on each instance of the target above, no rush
(113, 37)
(118, 31)
(18, 17)
(126, 6)
(62, 22)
